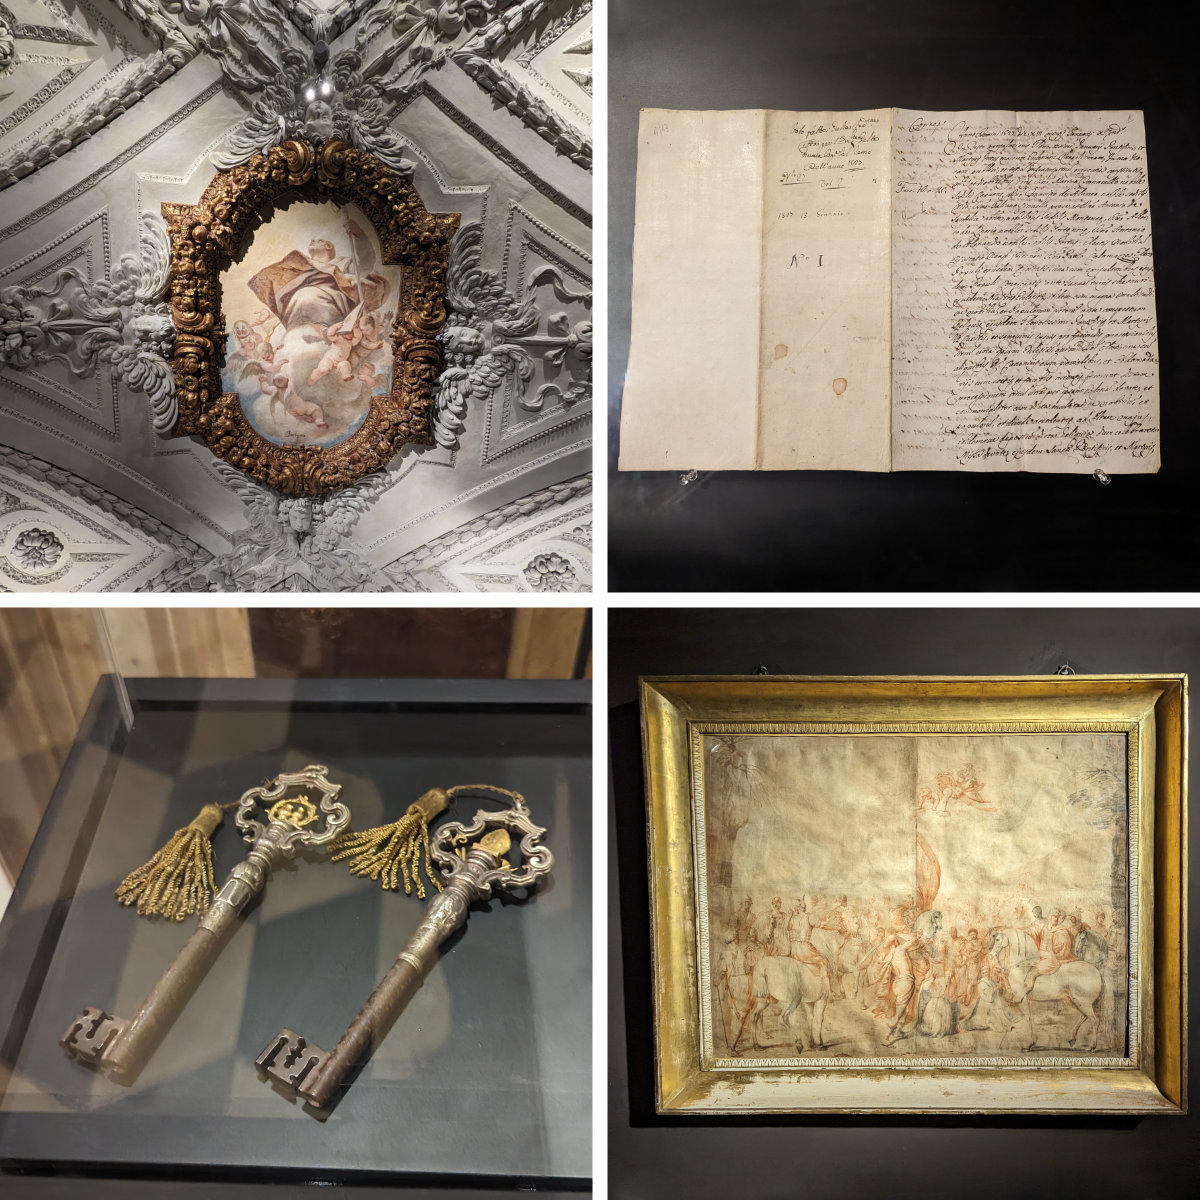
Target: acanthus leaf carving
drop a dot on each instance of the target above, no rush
(565, 345)
(360, 110)
(490, 336)
(250, 38)
(245, 37)
(422, 37)
(549, 392)
(352, 110)
(480, 56)
(119, 321)
(363, 95)
(266, 126)
(554, 277)
(8, 46)
(482, 316)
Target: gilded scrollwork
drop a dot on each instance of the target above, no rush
(208, 236)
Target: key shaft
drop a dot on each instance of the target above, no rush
(447, 912)
(122, 1048)
(129, 1052)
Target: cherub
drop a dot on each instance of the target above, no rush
(372, 335)
(265, 323)
(343, 337)
(368, 380)
(278, 390)
(243, 338)
(274, 388)
(304, 410)
(264, 364)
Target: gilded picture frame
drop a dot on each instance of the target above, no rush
(814, 842)
(305, 451)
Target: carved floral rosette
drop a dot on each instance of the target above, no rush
(207, 237)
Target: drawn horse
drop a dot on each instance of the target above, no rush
(1090, 947)
(828, 943)
(927, 925)
(1011, 947)
(1078, 985)
(781, 979)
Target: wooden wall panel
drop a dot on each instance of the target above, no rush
(50, 660)
(546, 642)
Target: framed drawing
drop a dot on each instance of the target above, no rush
(307, 290)
(918, 895)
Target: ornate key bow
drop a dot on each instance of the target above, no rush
(122, 1048)
(472, 859)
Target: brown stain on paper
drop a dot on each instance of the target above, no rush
(839, 386)
(780, 351)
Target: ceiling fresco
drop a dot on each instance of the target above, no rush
(110, 109)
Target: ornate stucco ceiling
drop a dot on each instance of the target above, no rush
(108, 108)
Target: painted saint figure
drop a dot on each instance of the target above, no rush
(317, 287)
(313, 301)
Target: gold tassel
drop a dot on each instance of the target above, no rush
(392, 852)
(178, 880)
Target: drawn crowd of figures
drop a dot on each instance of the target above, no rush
(309, 334)
(1030, 978)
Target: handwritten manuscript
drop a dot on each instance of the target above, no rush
(892, 290)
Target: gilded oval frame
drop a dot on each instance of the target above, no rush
(207, 237)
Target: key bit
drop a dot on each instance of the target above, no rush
(472, 859)
(122, 1048)
(90, 1034)
(290, 1059)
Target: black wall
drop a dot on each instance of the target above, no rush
(851, 1157)
(916, 531)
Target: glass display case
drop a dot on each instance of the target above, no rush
(483, 1078)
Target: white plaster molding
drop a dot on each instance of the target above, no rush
(82, 322)
(114, 98)
(293, 543)
(517, 340)
(539, 543)
(60, 533)
(482, 57)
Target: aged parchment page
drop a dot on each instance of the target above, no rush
(1023, 322)
(890, 896)
(824, 387)
(691, 388)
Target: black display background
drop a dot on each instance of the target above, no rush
(915, 531)
(946, 1158)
